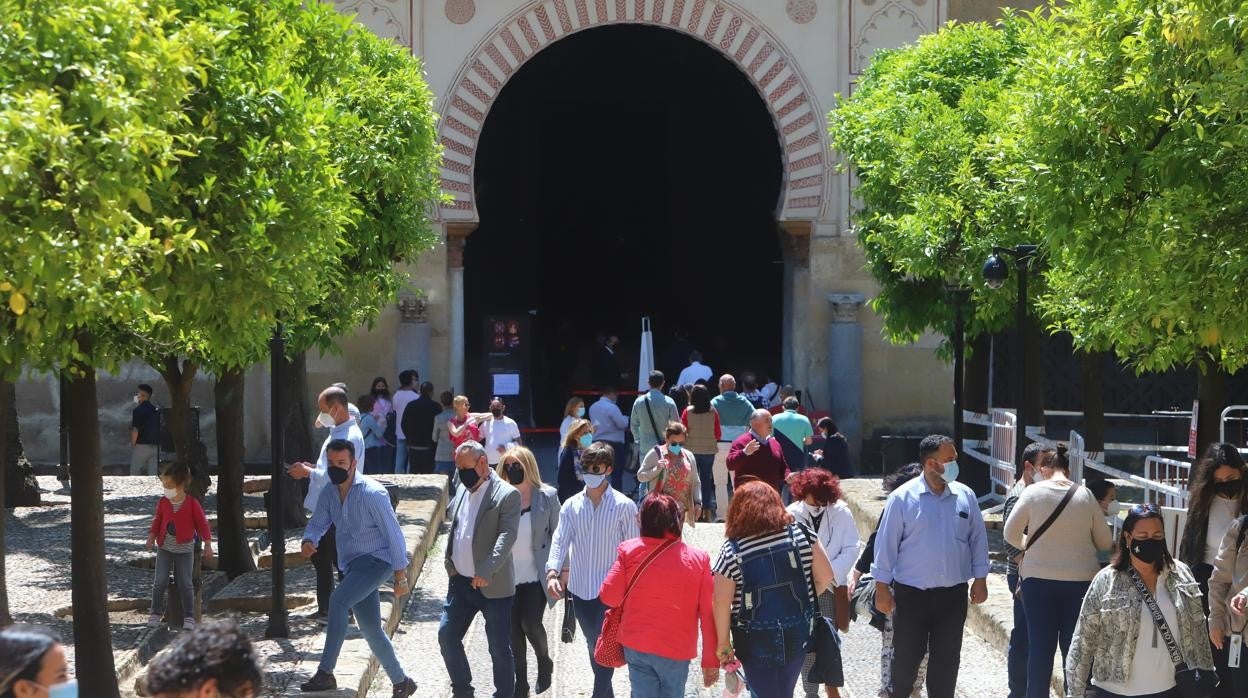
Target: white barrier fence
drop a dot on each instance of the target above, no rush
(997, 451)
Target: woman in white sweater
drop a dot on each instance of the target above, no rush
(1058, 566)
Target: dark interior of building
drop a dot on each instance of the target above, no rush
(626, 171)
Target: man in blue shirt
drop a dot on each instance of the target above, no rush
(609, 427)
(370, 548)
(931, 540)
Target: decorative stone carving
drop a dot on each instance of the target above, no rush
(386, 18)
(460, 11)
(877, 24)
(845, 306)
(413, 309)
(801, 11)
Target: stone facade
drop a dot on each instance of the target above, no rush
(798, 53)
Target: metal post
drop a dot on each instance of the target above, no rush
(277, 533)
(1020, 363)
(959, 363)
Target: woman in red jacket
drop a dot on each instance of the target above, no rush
(670, 597)
(178, 522)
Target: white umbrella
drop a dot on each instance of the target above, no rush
(647, 356)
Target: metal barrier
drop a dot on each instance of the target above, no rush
(1173, 523)
(1173, 473)
(997, 452)
(1155, 492)
(1226, 417)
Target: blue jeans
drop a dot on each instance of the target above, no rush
(463, 603)
(589, 615)
(444, 467)
(772, 681)
(182, 565)
(358, 592)
(1052, 609)
(654, 676)
(400, 457)
(706, 476)
(1016, 661)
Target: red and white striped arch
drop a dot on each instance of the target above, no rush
(735, 33)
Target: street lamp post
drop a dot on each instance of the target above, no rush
(960, 295)
(277, 529)
(995, 273)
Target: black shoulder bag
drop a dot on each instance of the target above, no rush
(1193, 683)
(825, 643)
(1031, 539)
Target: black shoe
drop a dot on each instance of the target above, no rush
(404, 689)
(321, 617)
(544, 671)
(522, 691)
(322, 682)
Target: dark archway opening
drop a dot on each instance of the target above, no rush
(626, 171)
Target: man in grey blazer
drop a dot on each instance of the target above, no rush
(485, 519)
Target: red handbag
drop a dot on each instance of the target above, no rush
(608, 651)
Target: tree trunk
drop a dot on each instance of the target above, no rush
(1037, 350)
(7, 407)
(975, 399)
(187, 447)
(297, 428)
(233, 554)
(1211, 393)
(93, 643)
(1092, 366)
(21, 487)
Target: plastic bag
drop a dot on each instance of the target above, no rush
(734, 680)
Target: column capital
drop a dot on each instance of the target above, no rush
(413, 309)
(845, 306)
(456, 239)
(795, 242)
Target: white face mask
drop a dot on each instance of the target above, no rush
(814, 510)
(170, 493)
(326, 420)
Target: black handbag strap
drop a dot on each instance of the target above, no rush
(1070, 493)
(650, 414)
(1176, 655)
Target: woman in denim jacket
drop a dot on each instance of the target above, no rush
(1116, 642)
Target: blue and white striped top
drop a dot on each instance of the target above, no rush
(590, 536)
(365, 523)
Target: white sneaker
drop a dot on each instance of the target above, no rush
(188, 624)
(153, 621)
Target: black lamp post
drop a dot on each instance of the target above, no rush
(995, 274)
(960, 295)
(277, 529)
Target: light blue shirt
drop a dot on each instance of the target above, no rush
(930, 541)
(364, 523)
(589, 535)
(349, 431)
(664, 410)
(609, 422)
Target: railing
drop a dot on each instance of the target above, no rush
(1226, 417)
(1173, 473)
(997, 452)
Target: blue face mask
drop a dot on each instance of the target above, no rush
(580, 412)
(69, 689)
(951, 471)
(586, 440)
(674, 449)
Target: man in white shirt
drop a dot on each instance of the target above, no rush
(695, 371)
(405, 394)
(610, 424)
(500, 432)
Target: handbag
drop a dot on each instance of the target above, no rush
(1192, 683)
(569, 620)
(608, 651)
(828, 669)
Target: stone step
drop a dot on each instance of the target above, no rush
(253, 591)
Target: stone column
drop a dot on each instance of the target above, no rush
(456, 239)
(412, 338)
(795, 248)
(845, 367)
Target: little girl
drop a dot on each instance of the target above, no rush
(179, 521)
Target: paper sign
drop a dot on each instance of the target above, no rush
(1191, 432)
(506, 384)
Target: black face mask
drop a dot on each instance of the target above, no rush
(338, 475)
(1149, 550)
(1229, 489)
(515, 473)
(469, 477)
(497, 412)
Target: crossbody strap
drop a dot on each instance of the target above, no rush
(1070, 492)
(644, 564)
(1176, 656)
(650, 414)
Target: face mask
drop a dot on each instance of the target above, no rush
(170, 493)
(1229, 489)
(338, 475)
(137, 400)
(580, 412)
(593, 482)
(1113, 509)
(515, 473)
(497, 412)
(674, 449)
(586, 440)
(69, 689)
(1148, 550)
(325, 420)
(814, 510)
(951, 471)
(469, 477)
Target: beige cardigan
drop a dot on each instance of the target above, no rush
(1067, 551)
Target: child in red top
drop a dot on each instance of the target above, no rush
(178, 523)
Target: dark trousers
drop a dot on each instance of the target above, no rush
(463, 603)
(1229, 682)
(589, 615)
(1094, 692)
(1052, 609)
(706, 476)
(621, 461)
(1016, 661)
(767, 681)
(928, 621)
(526, 623)
(1239, 677)
(325, 560)
(420, 460)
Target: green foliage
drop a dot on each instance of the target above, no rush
(917, 132)
(1130, 147)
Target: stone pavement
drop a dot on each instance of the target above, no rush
(983, 664)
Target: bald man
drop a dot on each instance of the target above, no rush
(333, 405)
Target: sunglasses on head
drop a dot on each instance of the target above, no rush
(1142, 509)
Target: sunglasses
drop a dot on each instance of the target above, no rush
(595, 468)
(1142, 509)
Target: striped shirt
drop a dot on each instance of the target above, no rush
(171, 538)
(1011, 498)
(348, 431)
(590, 535)
(365, 523)
(729, 562)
